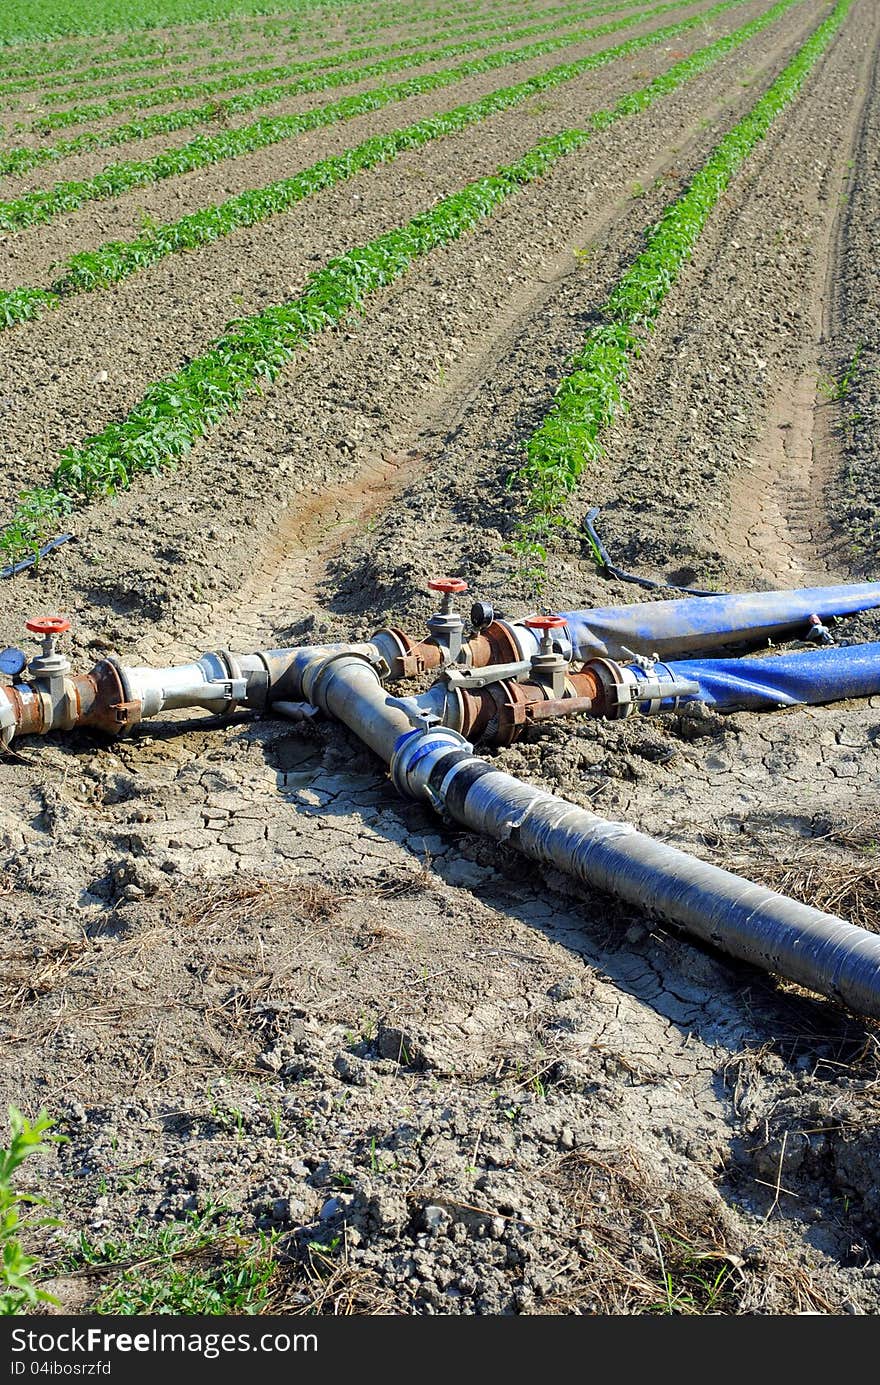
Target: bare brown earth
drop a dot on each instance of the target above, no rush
(244, 976)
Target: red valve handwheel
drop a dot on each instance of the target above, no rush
(48, 625)
(447, 584)
(544, 622)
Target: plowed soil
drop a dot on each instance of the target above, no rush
(246, 979)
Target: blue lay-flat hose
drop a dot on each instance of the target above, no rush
(782, 680)
(685, 625)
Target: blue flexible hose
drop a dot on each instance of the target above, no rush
(784, 680)
(671, 628)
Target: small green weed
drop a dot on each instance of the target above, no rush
(197, 1267)
(835, 389)
(694, 1283)
(18, 1292)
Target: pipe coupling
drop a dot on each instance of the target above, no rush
(416, 759)
(8, 720)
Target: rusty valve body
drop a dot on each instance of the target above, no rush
(98, 700)
(501, 712)
(410, 658)
(54, 699)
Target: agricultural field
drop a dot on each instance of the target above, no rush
(303, 306)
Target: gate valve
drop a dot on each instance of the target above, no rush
(548, 667)
(449, 586)
(49, 664)
(446, 625)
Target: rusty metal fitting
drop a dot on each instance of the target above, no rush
(500, 712)
(408, 657)
(24, 713)
(105, 700)
(495, 645)
(614, 684)
(405, 656)
(642, 686)
(98, 700)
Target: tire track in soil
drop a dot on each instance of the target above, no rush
(678, 468)
(779, 512)
(855, 501)
(288, 582)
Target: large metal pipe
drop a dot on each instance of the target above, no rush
(817, 950)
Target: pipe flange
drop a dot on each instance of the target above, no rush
(122, 707)
(616, 684)
(511, 717)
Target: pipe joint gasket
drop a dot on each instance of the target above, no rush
(257, 689)
(458, 781)
(233, 668)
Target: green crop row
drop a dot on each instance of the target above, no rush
(22, 21)
(103, 78)
(40, 62)
(117, 260)
(12, 86)
(591, 396)
(22, 159)
(160, 96)
(57, 59)
(177, 411)
(98, 81)
(407, 13)
(44, 204)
